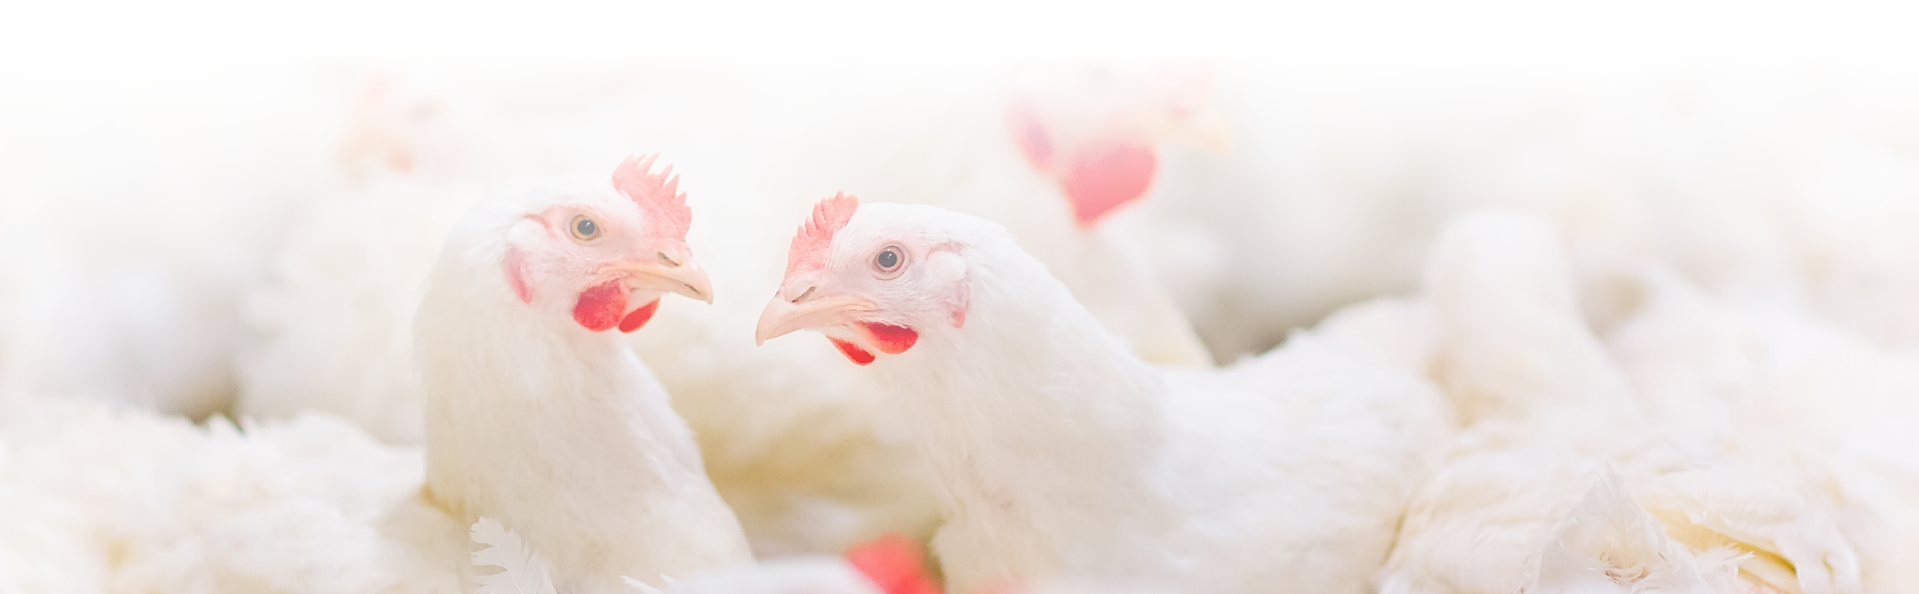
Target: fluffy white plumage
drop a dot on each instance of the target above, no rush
(1550, 410)
(802, 574)
(1795, 394)
(537, 415)
(1783, 183)
(126, 500)
(521, 569)
(802, 444)
(1606, 544)
(815, 468)
(1062, 454)
(140, 201)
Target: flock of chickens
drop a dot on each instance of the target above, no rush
(1139, 327)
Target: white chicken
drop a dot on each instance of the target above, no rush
(538, 418)
(793, 438)
(1053, 154)
(1784, 389)
(105, 500)
(1550, 412)
(1779, 183)
(802, 445)
(331, 328)
(1059, 453)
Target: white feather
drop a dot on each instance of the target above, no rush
(522, 570)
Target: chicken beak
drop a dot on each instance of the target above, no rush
(783, 317)
(685, 278)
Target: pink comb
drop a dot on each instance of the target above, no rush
(815, 239)
(657, 195)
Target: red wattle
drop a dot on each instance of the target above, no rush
(889, 339)
(601, 306)
(853, 352)
(638, 318)
(1104, 177)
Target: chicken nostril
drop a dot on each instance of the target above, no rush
(668, 259)
(803, 296)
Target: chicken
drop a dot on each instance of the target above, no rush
(1789, 390)
(1056, 154)
(793, 437)
(140, 202)
(799, 442)
(1552, 418)
(1788, 185)
(124, 500)
(538, 418)
(331, 329)
(541, 423)
(1059, 453)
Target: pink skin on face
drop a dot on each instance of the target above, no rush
(806, 299)
(515, 264)
(618, 252)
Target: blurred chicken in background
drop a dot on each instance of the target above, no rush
(1778, 182)
(138, 203)
(1739, 236)
(807, 451)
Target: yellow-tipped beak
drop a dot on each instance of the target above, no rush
(783, 317)
(685, 279)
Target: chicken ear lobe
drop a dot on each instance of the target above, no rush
(514, 266)
(948, 271)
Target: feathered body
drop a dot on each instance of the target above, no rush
(140, 203)
(1060, 453)
(1528, 499)
(107, 500)
(795, 439)
(546, 422)
(801, 443)
(1801, 397)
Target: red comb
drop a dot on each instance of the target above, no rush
(656, 194)
(1106, 176)
(893, 563)
(815, 239)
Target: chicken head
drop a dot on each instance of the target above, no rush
(595, 255)
(872, 285)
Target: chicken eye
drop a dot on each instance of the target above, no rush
(584, 229)
(889, 261)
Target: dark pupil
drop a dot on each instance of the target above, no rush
(586, 227)
(889, 259)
